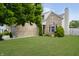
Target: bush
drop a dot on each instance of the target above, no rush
(6, 33)
(59, 32)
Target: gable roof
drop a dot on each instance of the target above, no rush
(47, 15)
(49, 12)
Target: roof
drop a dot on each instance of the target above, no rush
(52, 12)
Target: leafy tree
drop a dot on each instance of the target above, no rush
(20, 13)
(38, 17)
(2, 10)
(74, 24)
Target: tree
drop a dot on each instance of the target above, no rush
(20, 13)
(74, 24)
(2, 10)
(38, 17)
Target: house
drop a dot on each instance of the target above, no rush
(51, 20)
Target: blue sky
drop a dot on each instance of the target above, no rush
(59, 9)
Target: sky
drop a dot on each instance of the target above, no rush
(58, 8)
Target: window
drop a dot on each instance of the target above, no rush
(53, 28)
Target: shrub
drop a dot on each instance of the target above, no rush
(6, 33)
(59, 31)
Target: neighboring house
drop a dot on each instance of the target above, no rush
(2, 28)
(51, 20)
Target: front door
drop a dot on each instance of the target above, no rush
(53, 29)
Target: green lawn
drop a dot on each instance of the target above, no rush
(41, 46)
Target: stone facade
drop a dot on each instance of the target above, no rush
(27, 30)
(51, 20)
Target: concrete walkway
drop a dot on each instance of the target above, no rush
(8, 38)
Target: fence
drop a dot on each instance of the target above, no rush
(74, 31)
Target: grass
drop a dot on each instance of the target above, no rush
(41, 46)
